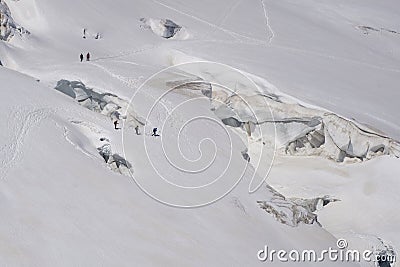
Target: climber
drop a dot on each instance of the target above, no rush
(137, 130)
(88, 57)
(155, 132)
(81, 57)
(115, 125)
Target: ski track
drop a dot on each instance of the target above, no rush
(26, 120)
(227, 14)
(240, 37)
(134, 84)
(233, 34)
(318, 54)
(270, 31)
(271, 36)
(310, 52)
(129, 63)
(127, 53)
(131, 83)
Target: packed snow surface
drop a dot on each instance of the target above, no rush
(277, 125)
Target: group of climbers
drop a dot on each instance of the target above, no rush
(155, 133)
(116, 121)
(87, 57)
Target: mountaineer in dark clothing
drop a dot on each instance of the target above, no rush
(81, 57)
(88, 57)
(155, 132)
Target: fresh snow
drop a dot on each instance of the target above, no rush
(278, 125)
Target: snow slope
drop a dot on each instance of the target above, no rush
(286, 73)
(82, 213)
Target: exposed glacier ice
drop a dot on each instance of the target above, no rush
(165, 28)
(293, 211)
(301, 130)
(314, 204)
(105, 103)
(8, 27)
(115, 161)
(287, 211)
